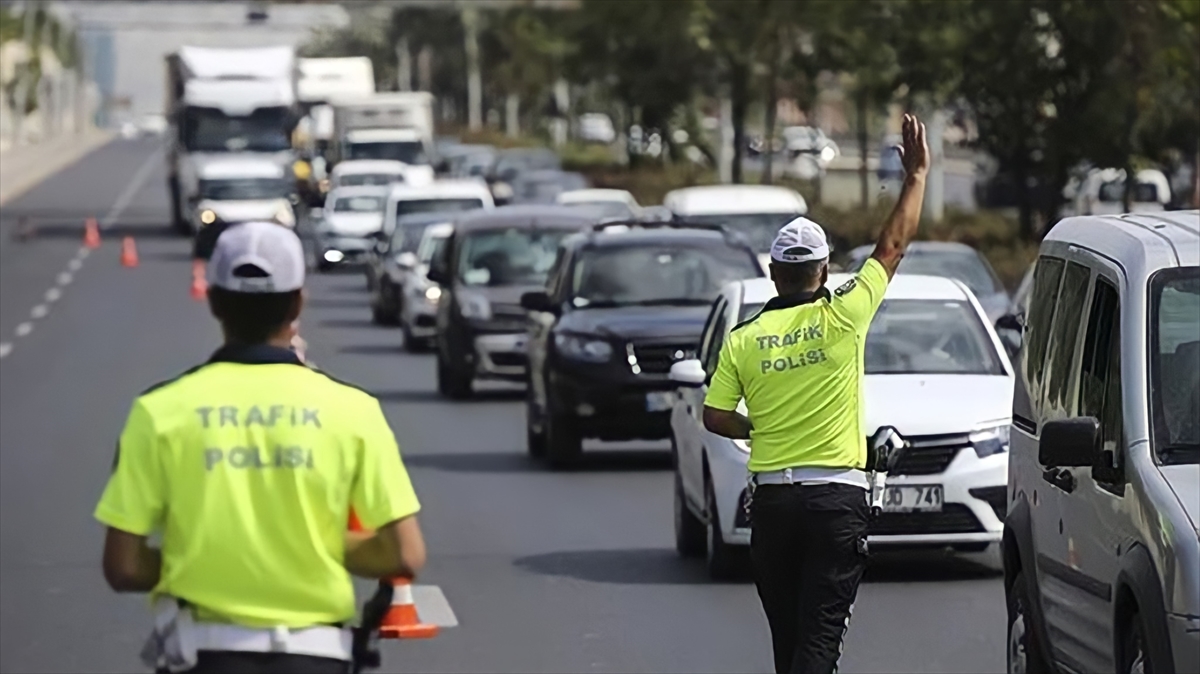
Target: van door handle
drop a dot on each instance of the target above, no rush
(1061, 478)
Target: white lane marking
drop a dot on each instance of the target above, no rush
(131, 190)
(84, 251)
(432, 606)
(65, 278)
(5, 349)
(75, 264)
(24, 329)
(40, 311)
(53, 294)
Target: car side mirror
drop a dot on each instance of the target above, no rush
(1010, 322)
(688, 373)
(406, 260)
(1069, 443)
(538, 300)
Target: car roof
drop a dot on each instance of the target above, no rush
(541, 216)
(360, 191)
(731, 199)
(427, 218)
(594, 194)
(439, 230)
(860, 252)
(913, 287)
(441, 189)
(757, 290)
(356, 166)
(651, 235)
(1142, 241)
(240, 168)
(382, 135)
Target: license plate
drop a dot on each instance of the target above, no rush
(658, 401)
(913, 498)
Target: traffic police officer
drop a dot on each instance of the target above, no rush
(248, 466)
(799, 366)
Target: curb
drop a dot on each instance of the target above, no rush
(55, 155)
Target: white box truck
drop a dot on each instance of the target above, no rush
(322, 83)
(222, 102)
(397, 126)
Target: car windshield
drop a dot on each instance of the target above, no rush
(963, 265)
(759, 228)
(606, 209)
(407, 151)
(361, 204)
(1175, 364)
(244, 189)
(210, 130)
(370, 179)
(657, 274)
(1142, 193)
(929, 337)
(508, 257)
(748, 311)
(410, 206)
(511, 163)
(430, 246)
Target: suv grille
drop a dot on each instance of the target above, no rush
(658, 358)
(955, 518)
(930, 454)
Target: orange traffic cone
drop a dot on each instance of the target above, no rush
(129, 256)
(401, 620)
(199, 284)
(91, 233)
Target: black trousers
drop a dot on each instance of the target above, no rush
(808, 544)
(236, 662)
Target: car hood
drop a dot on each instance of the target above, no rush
(933, 404)
(243, 210)
(1184, 480)
(354, 224)
(500, 296)
(658, 322)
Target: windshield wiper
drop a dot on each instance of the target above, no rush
(1180, 452)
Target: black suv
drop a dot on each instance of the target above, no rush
(491, 260)
(622, 305)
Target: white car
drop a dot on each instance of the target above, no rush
(612, 203)
(757, 211)
(378, 172)
(596, 127)
(1102, 192)
(935, 371)
(240, 189)
(441, 196)
(349, 224)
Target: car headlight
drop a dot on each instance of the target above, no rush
(583, 348)
(433, 293)
(502, 191)
(989, 441)
(743, 445)
(828, 154)
(474, 307)
(207, 216)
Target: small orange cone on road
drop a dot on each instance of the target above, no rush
(91, 233)
(401, 620)
(129, 256)
(199, 289)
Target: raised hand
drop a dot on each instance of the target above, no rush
(914, 153)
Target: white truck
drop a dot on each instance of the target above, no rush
(397, 126)
(224, 102)
(323, 82)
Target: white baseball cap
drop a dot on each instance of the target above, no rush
(800, 240)
(257, 257)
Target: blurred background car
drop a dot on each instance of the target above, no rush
(622, 305)
(442, 196)
(492, 259)
(544, 186)
(596, 127)
(757, 211)
(609, 203)
(1102, 192)
(373, 172)
(403, 294)
(953, 260)
(240, 189)
(469, 161)
(512, 162)
(349, 225)
(935, 371)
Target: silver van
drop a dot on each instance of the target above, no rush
(1101, 541)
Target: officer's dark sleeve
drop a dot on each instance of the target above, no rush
(206, 240)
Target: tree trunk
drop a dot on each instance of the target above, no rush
(863, 151)
(1024, 203)
(739, 95)
(404, 79)
(768, 176)
(470, 20)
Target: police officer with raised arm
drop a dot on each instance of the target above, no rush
(799, 366)
(248, 467)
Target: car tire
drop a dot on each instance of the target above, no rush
(535, 438)
(563, 441)
(724, 560)
(453, 383)
(689, 529)
(1135, 653)
(1025, 653)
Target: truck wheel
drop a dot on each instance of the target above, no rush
(724, 560)
(563, 442)
(1025, 654)
(453, 383)
(689, 530)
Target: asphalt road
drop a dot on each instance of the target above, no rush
(546, 571)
